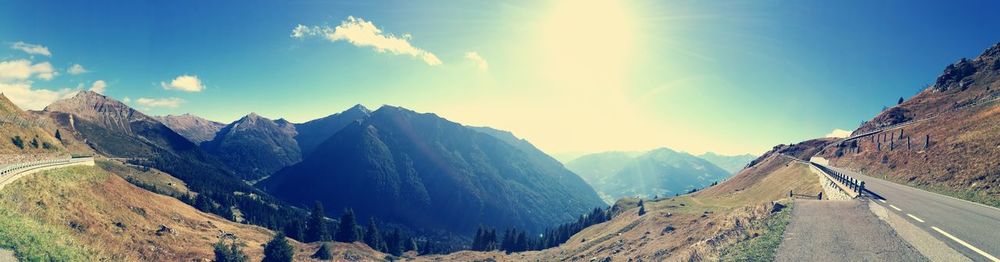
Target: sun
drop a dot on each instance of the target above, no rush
(588, 44)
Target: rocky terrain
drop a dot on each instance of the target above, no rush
(192, 127)
(945, 139)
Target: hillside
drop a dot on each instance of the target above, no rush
(426, 172)
(734, 221)
(192, 127)
(959, 115)
(33, 136)
(115, 130)
(89, 214)
(254, 146)
(732, 164)
(311, 134)
(659, 172)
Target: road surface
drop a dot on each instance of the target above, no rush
(831, 230)
(970, 228)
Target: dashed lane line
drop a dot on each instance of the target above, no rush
(915, 218)
(894, 207)
(967, 245)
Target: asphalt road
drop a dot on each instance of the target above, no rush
(970, 228)
(831, 230)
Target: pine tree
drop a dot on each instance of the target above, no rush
(229, 253)
(373, 238)
(642, 208)
(508, 241)
(900, 100)
(295, 229)
(323, 253)
(278, 249)
(316, 229)
(477, 241)
(17, 141)
(58, 135)
(394, 243)
(347, 232)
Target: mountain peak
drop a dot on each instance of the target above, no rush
(360, 108)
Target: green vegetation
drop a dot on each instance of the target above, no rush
(31, 238)
(323, 253)
(231, 252)
(278, 250)
(316, 229)
(762, 247)
(32, 241)
(348, 229)
(17, 141)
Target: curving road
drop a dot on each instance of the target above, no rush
(11, 173)
(970, 228)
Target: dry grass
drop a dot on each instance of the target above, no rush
(690, 227)
(117, 221)
(163, 182)
(963, 159)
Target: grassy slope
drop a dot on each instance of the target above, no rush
(85, 212)
(733, 217)
(961, 162)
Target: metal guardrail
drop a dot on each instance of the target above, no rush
(18, 168)
(845, 182)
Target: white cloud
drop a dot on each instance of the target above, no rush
(28, 98)
(22, 69)
(186, 83)
(76, 69)
(98, 86)
(127, 100)
(172, 102)
(362, 33)
(478, 60)
(31, 49)
(839, 133)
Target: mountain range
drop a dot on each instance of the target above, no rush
(658, 172)
(424, 171)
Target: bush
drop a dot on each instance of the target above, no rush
(229, 253)
(18, 142)
(323, 253)
(278, 249)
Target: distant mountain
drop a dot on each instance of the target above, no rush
(313, 133)
(594, 167)
(113, 129)
(426, 172)
(192, 127)
(255, 146)
(657, 172)
(732, 164)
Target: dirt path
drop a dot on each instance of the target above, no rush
(841, 231)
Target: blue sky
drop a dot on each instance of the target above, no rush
(570, 76)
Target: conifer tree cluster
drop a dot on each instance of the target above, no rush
(514, 240)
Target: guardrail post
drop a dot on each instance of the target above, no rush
(862, 187)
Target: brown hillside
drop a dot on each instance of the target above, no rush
(14, 122)
(690, 227)
(115, 221)
(961, 115)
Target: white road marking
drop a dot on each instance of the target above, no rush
(977, 250)
(883, 200)
(894, 207)
(915, 218)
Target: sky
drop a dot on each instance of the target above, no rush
(572, 76)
